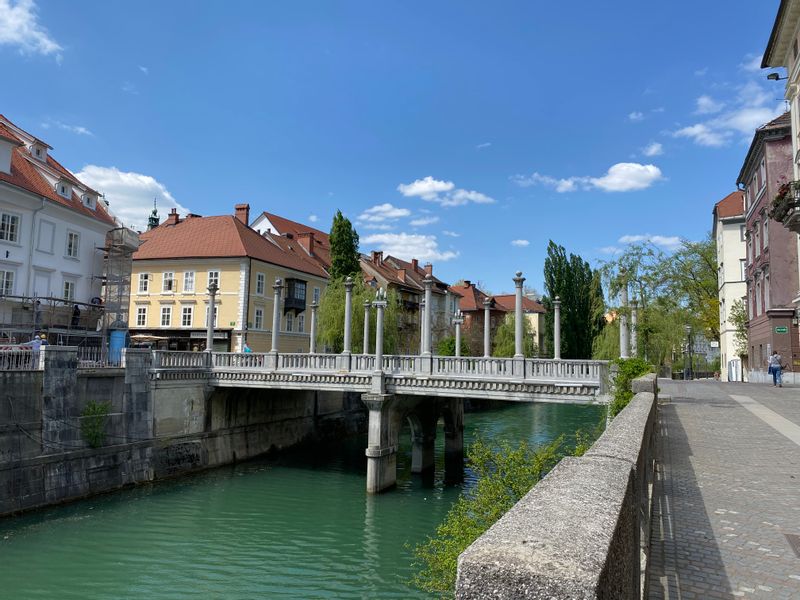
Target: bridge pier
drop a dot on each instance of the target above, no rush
(382, 439)
(454, 440)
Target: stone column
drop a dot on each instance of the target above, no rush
(421, 326)
(367, 304)
(634, 323)
(454, 440)
(377, 378)
(382, 442)
(426, 346)
(212, 298)
(623, 320)
(518, 329)
(557, 328)
(487, 325)
(348, 314)
(458, 319)
(277, 288)
(312, 347)
(423, 437)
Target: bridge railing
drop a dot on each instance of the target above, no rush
(362, 362)
(538, 368)
(400, 363)
(238, 360)
(473, 366)
(176, 359)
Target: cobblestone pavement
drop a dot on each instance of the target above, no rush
(727, 491)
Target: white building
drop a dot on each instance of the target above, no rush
(729, 232)
(52, 229)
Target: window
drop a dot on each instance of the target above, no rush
(213, 277)
(166, 316)
(216, 314)
(186, 316)
(258, 319)
(766, 290)
(297, 289)
(742, 269)
(758, 295)
(6, 283)
(65, 190)
(69, 290)
(766, 233)
(762, 173)
(301, 323)
(188, 281)
(758, 239)
(168, 282)
(144, 283)
(260, 284)
(742, 231)
(289, 322)
(316, 295)
(141, 316)
(73, 243)
(9, 228)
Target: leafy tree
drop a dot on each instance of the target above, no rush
(330, 332)
(447, 346)
(628, 369)
(572, 279)
(344, 248)
(504, 338)
(738, 318)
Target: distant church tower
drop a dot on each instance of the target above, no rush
(152, 221)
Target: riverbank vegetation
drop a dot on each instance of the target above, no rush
(628, 369)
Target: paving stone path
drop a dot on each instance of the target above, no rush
(727, 492)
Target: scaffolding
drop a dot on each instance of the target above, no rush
(121, 243)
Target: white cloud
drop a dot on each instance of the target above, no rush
(20, 28)
(520, 243)
(377, 226)
(706, 105)
(129, 88)
(751, 63)
(442, 192)
(381, 213)
(408, 246)
(701, 72)
(427, 188)
(653, 149)
(129, 194)
(144, 70)
(671, 242)
(424, 221)
(748, 110)
(313, 218)
(483, 145)
(636, 116)
(610, 250)
(77, 129)
(621, 177)
(450, 233)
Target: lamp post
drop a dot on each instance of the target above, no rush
(212, 296)
(687, 357)
(458, 319)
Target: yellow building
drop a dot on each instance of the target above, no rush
(180, 258)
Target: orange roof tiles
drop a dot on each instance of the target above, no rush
(509, 302)
(472, 298)
(222, 237)
(731, 205)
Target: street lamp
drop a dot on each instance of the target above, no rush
(687, 357)
(776, 77)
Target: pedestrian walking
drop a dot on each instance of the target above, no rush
(775, 367)
(36, 345)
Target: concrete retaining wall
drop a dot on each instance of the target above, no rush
(581, 532)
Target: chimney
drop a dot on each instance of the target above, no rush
(401, 274)
(243, 213)
(467, 283)
(429, 269)
(377, 257)
(306, 240)
(172, 217)
(415, 264)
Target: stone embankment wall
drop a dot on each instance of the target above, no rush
(154, 429)
(581, 532)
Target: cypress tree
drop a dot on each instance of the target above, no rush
(344, 248)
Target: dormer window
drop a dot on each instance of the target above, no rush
(39, 151)
(89, 201)
(64, 189)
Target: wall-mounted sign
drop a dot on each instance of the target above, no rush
(781, 329)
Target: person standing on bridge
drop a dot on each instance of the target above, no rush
(775, 367)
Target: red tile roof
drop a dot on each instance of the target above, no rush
(509, 302)
(472, 298)
(222, 237)
(322, 243)
(731, 205)
(24, 174)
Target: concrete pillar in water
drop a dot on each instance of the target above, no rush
(382, 442)
(458, 319)
(453, 439)
(487, 325)
(634, 323)
(367, 304)
(557, 328)
(312, 348)
(423, 437)
(426, 347)
(623, 319)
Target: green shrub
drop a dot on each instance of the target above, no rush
(447, 347)
(93, 422)
(628, 370)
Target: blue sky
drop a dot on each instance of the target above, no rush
(464, 133)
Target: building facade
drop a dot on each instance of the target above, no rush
(472, 305)
(771, 252)
(729, 231)
(53, 232)
(534, 312)
(181, 258)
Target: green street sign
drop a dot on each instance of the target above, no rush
(782, 329)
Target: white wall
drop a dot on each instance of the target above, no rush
(730, 250)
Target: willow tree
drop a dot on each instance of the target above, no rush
(505, 338)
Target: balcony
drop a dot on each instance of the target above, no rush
(295, 296)
(785, 207)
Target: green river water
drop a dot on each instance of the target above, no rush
(297, 525)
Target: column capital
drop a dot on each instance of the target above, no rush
(348, 284)
(557, 301)
(519, 279)
(278, 285)
(428, 281)
(487, 302)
